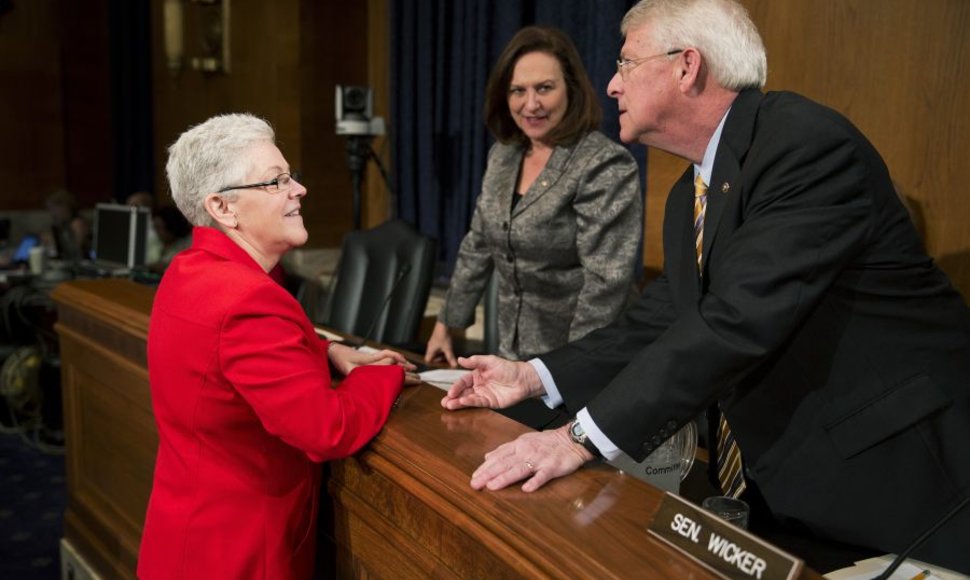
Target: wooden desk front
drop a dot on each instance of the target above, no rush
(401, 508)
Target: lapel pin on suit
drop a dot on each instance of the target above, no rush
(725, 187)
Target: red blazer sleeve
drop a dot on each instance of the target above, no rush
(270, 354)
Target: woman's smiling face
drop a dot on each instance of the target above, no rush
(269, 221)
(538, 97)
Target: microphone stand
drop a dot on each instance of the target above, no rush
(922, 538)
(401, 275)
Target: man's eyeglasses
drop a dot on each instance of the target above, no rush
(627, 64)
(281, 182)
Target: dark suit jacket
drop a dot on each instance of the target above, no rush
(565, 257)
(839, 353)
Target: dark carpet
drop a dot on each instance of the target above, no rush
(33, 498)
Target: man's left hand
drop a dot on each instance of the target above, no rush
(536, 457)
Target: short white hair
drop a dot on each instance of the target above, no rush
(210, 156)
(720, 29)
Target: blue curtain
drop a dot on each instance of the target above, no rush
(441, 54)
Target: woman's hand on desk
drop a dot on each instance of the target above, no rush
(494, 383)
(440, 346)
(346, 359)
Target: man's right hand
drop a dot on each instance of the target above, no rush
(494, 383)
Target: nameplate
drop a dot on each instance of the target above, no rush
(726, 550)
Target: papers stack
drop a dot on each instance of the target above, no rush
(442, 378)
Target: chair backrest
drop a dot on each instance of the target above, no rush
(380, 288)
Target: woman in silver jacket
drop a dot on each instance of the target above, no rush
(559, 217)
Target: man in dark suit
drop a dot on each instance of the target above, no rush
(809, 313)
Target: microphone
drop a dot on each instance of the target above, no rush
(922, 538)
(401, 275)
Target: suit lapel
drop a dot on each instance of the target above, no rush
(679, 239)
(726, 174)
(547, 179)
(503, 180)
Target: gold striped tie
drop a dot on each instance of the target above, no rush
(729, 468)
(700, 207)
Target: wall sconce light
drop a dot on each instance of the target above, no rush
(211, 19)
(174, 35)
(214, 37)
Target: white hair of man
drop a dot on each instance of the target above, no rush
(210, 156)
(720, 29)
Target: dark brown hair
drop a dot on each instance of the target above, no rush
(583, 113)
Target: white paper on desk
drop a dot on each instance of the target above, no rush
(443, 378)
(868, 569)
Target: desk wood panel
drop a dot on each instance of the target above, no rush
(402, 508)
(110, 433)
(415, 476)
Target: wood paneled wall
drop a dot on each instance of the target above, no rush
(377, 202)
(27, 59)
(287, 56)
(55, 102)
(900, 70)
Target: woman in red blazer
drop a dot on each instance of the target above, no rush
(240, 383)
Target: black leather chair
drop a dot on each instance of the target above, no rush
(380, 287)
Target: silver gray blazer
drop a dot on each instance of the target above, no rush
(564, 258)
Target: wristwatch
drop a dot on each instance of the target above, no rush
(578, 435)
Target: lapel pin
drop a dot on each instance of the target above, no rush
(725, 187)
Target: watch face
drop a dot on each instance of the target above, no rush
(576, 430)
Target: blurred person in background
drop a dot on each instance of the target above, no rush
(69, 237)
(173, 232)
(154, 250)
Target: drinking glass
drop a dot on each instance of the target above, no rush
(728, 508)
